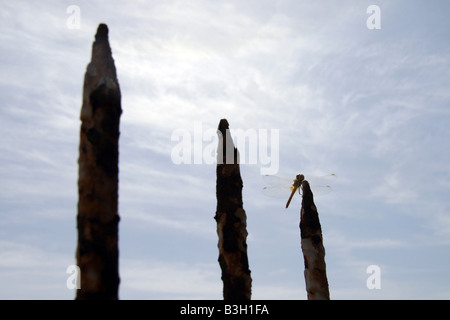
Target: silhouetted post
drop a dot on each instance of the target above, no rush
(98, 218)
(231, 220)
(312, 247)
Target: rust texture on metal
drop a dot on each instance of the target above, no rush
(312, 248)
(231, 221)
(98, 218)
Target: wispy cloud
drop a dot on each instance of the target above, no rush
(393, 190)
(153, 279)
(29, 272)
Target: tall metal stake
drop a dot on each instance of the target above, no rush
(231, 220)
(98, 219)
(312, 248)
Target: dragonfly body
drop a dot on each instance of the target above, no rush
(296, 184)
(282, 186)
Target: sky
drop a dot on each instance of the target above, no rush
(369, 105)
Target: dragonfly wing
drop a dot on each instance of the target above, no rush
(319, 185)
(277, 181)
(282, 187)
(321, 190)
(277, 192)
(321, 180)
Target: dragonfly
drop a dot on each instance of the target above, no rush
(281, 187)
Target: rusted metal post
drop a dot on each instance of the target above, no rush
(231, 220)
(98, 219)
(312, 248)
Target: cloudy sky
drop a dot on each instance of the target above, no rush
(370, 105)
